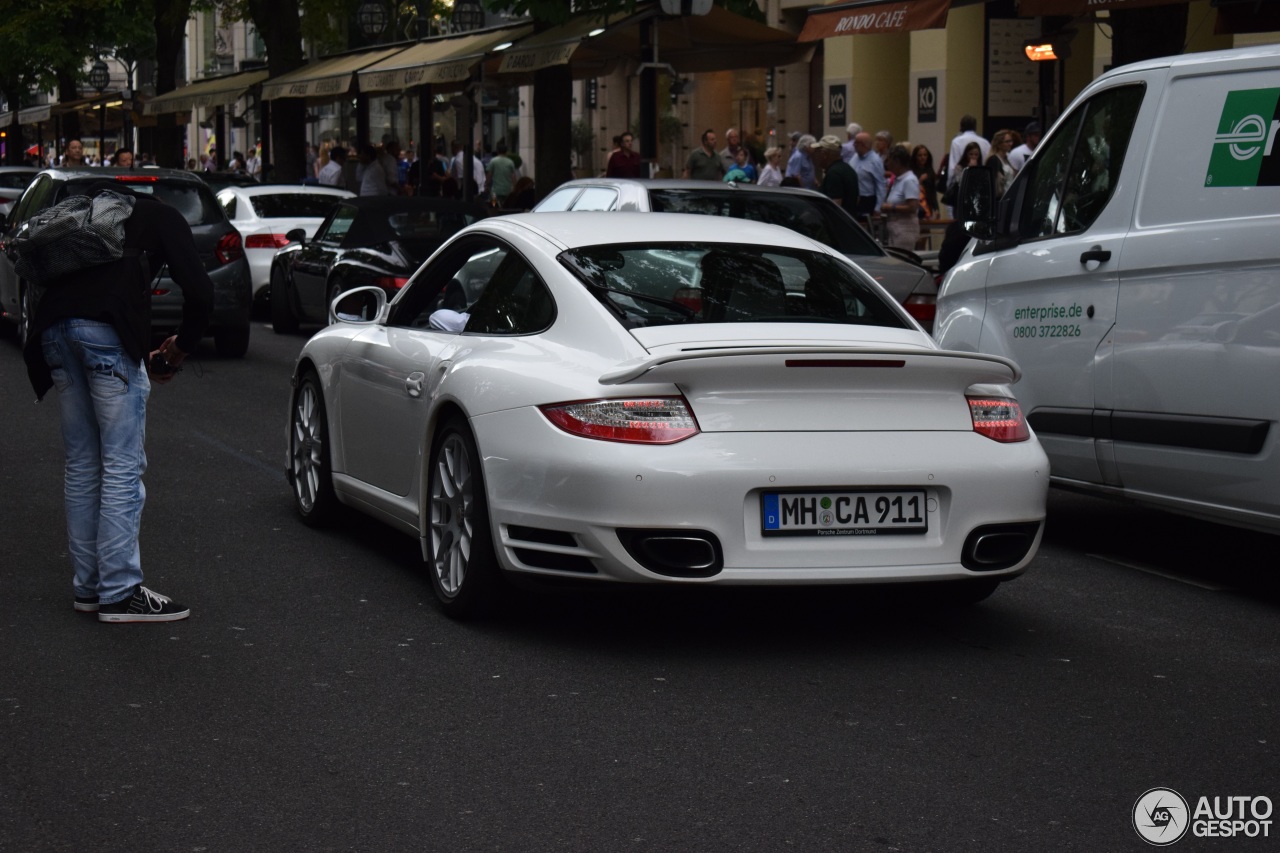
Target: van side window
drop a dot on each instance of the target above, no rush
(1078, 170)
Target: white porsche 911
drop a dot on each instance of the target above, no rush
(674, 399)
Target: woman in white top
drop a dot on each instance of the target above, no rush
(903, 201)
(771, 175)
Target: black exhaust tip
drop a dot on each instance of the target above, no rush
(675, 553)
(998, 546)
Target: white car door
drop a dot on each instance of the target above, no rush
(1051, 299)
(390, 374)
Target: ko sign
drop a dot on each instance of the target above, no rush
(837, 106)
(927, 100)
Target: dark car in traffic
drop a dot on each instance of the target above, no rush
(219, 244)
(379, 240)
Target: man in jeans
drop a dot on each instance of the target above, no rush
(90, 334)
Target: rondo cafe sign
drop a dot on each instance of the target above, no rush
(896, 17)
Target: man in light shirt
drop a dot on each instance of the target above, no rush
(1030, 139)
(968, 133)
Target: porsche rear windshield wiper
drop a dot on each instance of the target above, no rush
(656, 300)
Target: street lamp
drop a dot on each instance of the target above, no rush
(99, 79)
(371, 18)
(467, 15)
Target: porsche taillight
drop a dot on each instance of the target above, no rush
(649, 420)
(998, 418)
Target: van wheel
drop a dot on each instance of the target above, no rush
(232, 343)
(284, 320)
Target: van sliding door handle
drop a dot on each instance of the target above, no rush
(1097, 253)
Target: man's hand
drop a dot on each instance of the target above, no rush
(165, 361)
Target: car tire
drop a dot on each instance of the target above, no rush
(232, 343)
(463, 567)
(284, 320)
(310, 471)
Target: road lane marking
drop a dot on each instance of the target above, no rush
(1158, 573)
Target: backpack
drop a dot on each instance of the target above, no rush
(75, 234)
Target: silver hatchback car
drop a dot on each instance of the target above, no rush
(803, 211)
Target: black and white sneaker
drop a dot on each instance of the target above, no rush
(143, 606)
(87, 604)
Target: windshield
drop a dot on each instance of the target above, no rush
(662, 284)
(817, 218)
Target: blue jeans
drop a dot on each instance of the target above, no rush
(103, 398)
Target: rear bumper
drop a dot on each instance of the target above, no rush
(714, 483)
(232, 299)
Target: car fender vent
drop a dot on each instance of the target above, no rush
(541, 535)
(555, 561)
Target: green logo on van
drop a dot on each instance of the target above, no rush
(1244, 149)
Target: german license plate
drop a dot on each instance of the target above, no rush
(844, 513)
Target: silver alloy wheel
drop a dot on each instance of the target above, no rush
(452, 514)
(306, 450)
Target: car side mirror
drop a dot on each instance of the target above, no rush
(362, 306)
(296, 235)
(4, 223)
(976, 202)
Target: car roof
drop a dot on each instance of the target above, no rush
(90, 173)
(372, 223)
(686, 184)
(582, 229)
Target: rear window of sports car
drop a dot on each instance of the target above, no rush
(663, 284)
(293, 205)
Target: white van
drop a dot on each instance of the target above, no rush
(1133, 272)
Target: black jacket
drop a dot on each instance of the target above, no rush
(119, 292)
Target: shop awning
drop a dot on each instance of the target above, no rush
(35, 115)
(326, 78)
(1080, 8)
(436, 61)
(854, 19)
(717, 41)
(555, 46)
(210, 92)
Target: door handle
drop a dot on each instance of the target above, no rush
(1097, 253)
(413, 384)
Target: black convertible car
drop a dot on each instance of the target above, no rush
(365, 241)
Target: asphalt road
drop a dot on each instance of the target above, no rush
(317, 700)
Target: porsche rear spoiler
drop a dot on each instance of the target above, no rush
(993, 368)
